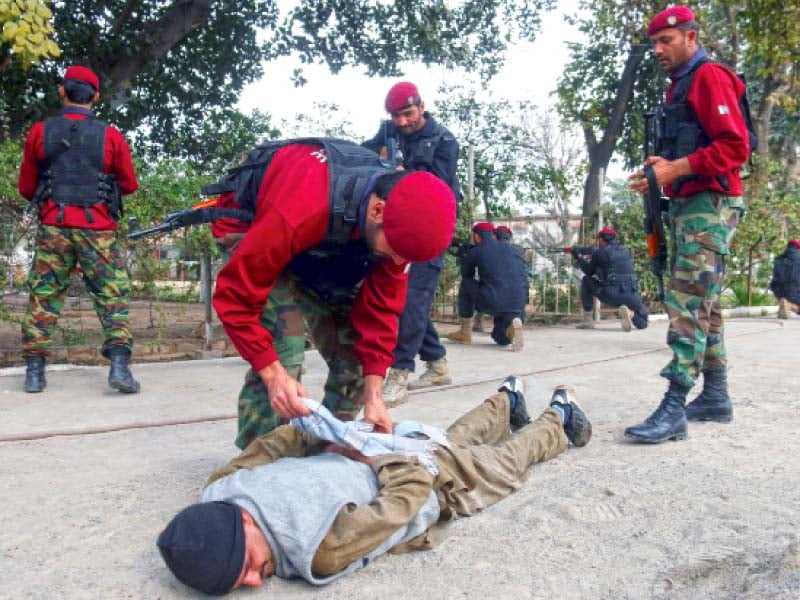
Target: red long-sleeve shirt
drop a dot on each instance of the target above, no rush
(117, 160)
(292, 213)
(714, 98)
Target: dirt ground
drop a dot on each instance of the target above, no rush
(161, 331)
(714, 517)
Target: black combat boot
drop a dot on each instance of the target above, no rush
(668, 422)
(120, 377)
(34, 375)
(713, 403)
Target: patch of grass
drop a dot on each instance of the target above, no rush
(737, 295)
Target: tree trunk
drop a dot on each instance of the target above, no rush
(600, 152)
(180, 19)
(761, 122)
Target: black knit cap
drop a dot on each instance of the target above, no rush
(203, 546)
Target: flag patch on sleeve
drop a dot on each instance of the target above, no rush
(723, 109)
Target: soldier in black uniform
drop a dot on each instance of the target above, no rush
(414, 141)
(610, 277)
(785, 282)
(501, 289)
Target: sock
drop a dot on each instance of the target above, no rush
(564, 409)
(513, 398)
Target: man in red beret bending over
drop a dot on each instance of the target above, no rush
(329, 247)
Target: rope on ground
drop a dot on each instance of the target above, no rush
(27, 437)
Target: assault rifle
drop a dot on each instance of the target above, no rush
(201, 212)
(654, 203)
(584, 250)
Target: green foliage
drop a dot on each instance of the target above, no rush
(27, 33)
(381, 35)
(553, 297)
(169, 67)
(14, 228)
(164, 187)
(211, 145)
(739, 296)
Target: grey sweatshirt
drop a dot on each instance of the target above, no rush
(295, 501)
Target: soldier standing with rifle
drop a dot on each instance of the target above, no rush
(413, 140)
(703, 144)
(74, 171)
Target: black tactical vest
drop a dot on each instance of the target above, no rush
(352, 168)
(681, 133)
(71, 173)
(335, 267)
(418, 154)
(620, 266)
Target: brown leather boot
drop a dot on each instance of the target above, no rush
(463, 335)
(588, 321)
(395, 387)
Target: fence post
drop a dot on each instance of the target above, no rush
(205, 294)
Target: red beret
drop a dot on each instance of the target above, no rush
(420, 217)
(84, 74)
(795, 243)
(483, 226)
(670, 17)
(504, 228)
(401, 95)
(607, 231)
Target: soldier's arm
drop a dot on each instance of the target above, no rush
(358, 529)
(122, 163)
(284, 441)
(469, 263)
(29, 169)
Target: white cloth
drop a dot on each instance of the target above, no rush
(410, 437)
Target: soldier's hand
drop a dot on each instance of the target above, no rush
(666, 171)
(284, 391)
(374, 408)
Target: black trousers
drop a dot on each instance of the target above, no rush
(416, 333)
(470, 300)
(613, 295)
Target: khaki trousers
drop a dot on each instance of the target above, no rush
(485, 463)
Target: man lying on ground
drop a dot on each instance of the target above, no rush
(296, 505)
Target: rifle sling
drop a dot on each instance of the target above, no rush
(653, 191)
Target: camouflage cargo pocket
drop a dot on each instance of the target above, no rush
(706, 220)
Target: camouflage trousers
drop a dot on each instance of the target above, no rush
(59, 250)
(701, 229)
(290, 306)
